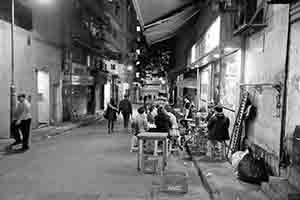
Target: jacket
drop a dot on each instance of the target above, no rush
(163, 123)
(125, 106)
(218, 126)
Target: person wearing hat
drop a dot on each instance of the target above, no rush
(23, 119)
(218, 133)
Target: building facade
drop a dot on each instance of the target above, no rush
(253, 52)
(60, 49)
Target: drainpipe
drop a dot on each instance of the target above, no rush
(284, 89)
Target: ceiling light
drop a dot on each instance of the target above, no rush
(129, 68)
(228, 49)
(216, 56)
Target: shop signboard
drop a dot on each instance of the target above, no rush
(79, 80)
(152, 87)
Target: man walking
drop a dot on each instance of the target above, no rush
(125, 108)
(23, 120)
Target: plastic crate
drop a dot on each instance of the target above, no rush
(174, 182)
(150, 165)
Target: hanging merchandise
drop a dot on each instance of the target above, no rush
(235, 140)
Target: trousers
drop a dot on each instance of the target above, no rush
(25, 130)
(216, 149)
(126, 117)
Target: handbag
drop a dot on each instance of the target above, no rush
(105, 114)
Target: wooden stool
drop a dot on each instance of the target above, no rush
(156, 136)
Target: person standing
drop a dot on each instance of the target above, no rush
(111, 115)
(23, 120)
(14, 128)
(125, 108)
(218, 133)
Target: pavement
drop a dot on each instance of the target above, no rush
(221, 181)
(86, 163)
(49, 131)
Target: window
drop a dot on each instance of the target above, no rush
(230, 80)
(212, 36)
(23, 14)
(205, 84)
(193, 53)
(113, 66)
(117, 10)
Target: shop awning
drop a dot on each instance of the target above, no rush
(187, 83)
(160, 19)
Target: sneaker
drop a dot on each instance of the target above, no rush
(16, 143)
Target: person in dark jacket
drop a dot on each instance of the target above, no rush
(218, 133)
(125, 108)
(162, 121)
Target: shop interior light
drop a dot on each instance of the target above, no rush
(216, 56)
(228, 49)
(138, 51)
(197, 66)
(45, 1)
(138, 28)
(129, 68)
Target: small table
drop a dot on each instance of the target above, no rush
(156, 136)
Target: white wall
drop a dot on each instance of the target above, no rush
(265, 63)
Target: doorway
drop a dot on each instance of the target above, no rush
(43, 89)
(91, 100)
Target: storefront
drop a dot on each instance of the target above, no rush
(217, 64)
(79, 93)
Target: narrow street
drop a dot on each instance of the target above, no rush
(85, 164)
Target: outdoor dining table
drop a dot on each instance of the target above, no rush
(156, 136)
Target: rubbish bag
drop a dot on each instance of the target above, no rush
(252, 170)
(237, 157)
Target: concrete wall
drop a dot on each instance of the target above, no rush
(39, 49)
(265, 63)
(293, 91)
(31, 54)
